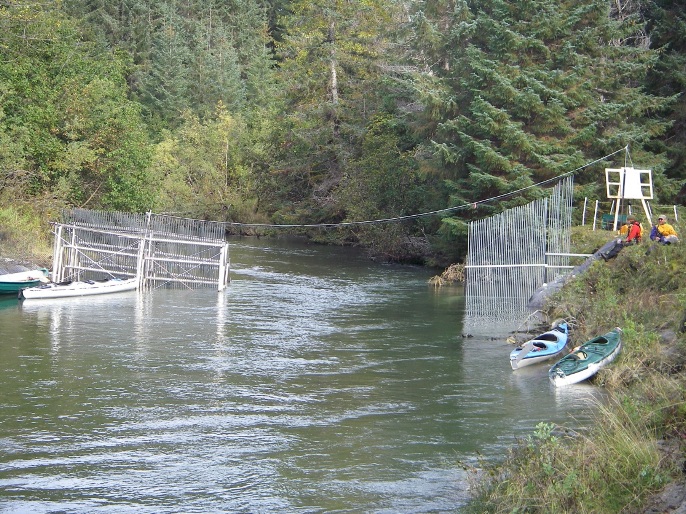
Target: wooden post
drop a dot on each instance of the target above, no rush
(221, 279)
(614, 225)
(646, 210)
(140, 275)
(72, 262)
(595, 214)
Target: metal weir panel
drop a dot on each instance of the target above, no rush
(159, 250)
(512, 254)
(83, 253)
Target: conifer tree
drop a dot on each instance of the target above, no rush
(165, 88)
(667, 31)
(188, 54)
(520, 92)
(213, 70)
(329, 68)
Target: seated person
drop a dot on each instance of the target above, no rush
(633, 237)
(663, 232)
(635, 231)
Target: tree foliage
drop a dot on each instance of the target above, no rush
(331, 110)
(201, 167)
(667, 29)
(520, 92)
(75, 134)
(187, 55)
(330, 71)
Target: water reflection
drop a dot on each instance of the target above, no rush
(532, 383)
(8, 302)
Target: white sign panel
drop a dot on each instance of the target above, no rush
(629, 183)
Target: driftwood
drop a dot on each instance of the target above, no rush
(538, 299)
(454, 273)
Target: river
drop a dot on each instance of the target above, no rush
(319, 381)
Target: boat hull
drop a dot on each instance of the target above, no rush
(79, 289)
(12, 283)
(544, 347)
(586, 360)
(16, 286)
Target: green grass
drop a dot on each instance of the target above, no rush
(24, 236)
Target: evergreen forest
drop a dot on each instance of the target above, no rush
(327, 112)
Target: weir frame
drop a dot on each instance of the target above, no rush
(157, 249)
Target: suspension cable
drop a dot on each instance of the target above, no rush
(467, 205)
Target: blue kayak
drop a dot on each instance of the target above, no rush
(541, 348)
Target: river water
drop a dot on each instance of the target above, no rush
(319, 381)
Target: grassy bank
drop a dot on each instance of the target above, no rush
(636, 446)
(25, 236)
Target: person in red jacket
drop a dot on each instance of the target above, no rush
(635, 231)
(633, 237)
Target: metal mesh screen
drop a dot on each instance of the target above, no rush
(161, 250)
(512, 254)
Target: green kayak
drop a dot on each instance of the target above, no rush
(586, 360)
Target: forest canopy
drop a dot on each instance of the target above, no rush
(329, 111)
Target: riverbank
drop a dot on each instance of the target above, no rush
(633, 459)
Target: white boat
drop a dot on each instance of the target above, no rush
(543, 347)
(22, 276)
(85, 288)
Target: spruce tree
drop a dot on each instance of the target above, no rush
(520, 92)
(667, 31)
(165, 88)
(330, 69)
(187, 54)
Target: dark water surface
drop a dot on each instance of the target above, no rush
(318, 382)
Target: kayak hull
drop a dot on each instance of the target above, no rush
(546, 346)
(74, 289)
(585, 361)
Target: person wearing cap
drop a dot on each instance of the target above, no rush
(663, 231)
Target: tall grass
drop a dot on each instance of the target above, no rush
(609, 469)
(24, 236)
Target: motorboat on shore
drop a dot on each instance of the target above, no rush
(12, 283)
